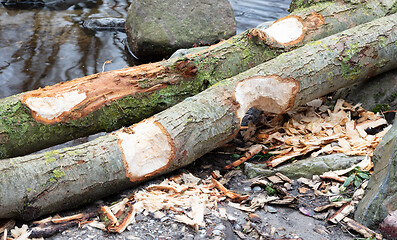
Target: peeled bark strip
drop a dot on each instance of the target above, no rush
(35, 185)
(107, 101)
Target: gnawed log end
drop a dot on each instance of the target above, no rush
(271, 94)
(49, 108)
(147, 149)
(289, 30)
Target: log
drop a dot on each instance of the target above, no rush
(107, 101)
(299, 4)
(39, 184)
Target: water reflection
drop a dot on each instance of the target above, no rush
(41, 47)
(251, 13)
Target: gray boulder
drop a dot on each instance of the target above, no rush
(304, 168)
(157, 28)
(381, 195)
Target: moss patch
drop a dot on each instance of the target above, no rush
(381, 108)
(350, 68)
(58, 173)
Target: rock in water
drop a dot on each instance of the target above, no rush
(104, 24)
(157, 28)
(380, 198)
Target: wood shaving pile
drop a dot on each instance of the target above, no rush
(317, 129)
(186, 195)
(21, 233)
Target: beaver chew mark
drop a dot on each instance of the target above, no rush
(267, 93)
(287, 31)
(52, 107)
(188, 68)
(147, 149)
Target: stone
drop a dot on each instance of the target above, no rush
(271, 209)
(388, 227)
(380, 198)
(104, 24)
(220, 227)
(216, 232)
(27, 4)
(186, 51)
(157, 28)
(257, 189)
(51, 4)
(304, 168)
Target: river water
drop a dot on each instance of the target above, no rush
(40, 47)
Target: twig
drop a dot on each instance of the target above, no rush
(234, 196)
(253, 150)
(103, 66)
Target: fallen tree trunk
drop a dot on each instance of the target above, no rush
(299, 4)
(35, 185)
(107, 101)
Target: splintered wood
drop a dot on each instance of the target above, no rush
(319, 129)
(185, 195)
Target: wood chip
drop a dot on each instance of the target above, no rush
(275, 179)
(332, 204)
(21, 233)
(254, 217)
(285, 201)
(222, 213)
(284, 178)
(69, 218)
(303, 190)
(123, 224)
(372, 124)
(241, 207)
(384, 131)
(344, 144)
(97, 224)
(366, 232)
(341, 213)
(261, 201)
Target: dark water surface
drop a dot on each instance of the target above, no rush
(41, 47)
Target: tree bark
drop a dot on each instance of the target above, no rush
(35, 185)
(299, 4)
(107, 101)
